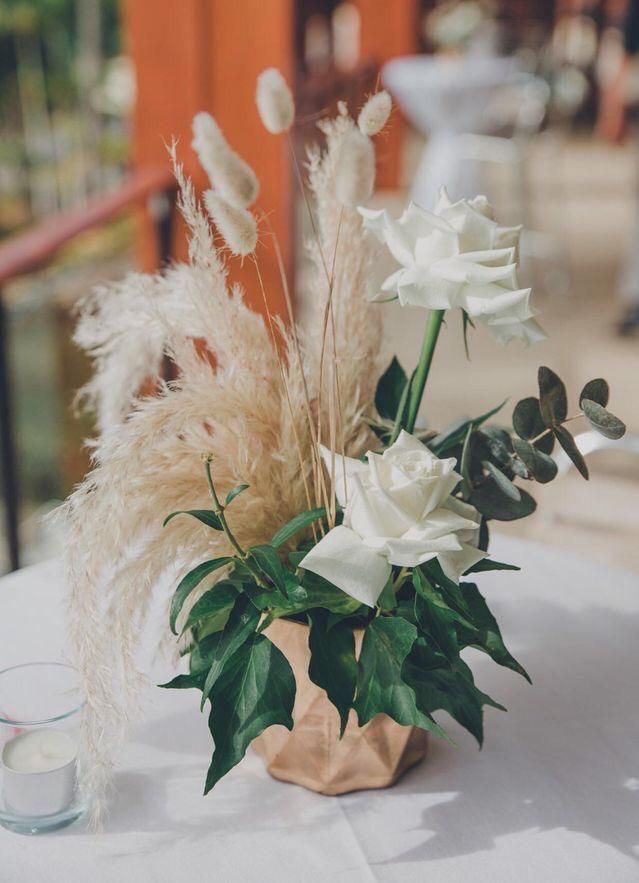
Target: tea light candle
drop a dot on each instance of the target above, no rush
(39, 772)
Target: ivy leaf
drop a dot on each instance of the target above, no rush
(493, 503)
(449, 688)
(183, 682)
(189, 582)
(380, 688)
(206, 516)
(438, 624)
(217, 602)
(232, 494)
(567, 442)
(485, 634)
(553, 402)
(596, 390)
(542, 467)
(333, 665)
(602, 420)
(238, 630)
(424, 587)
(504, 484)
(390, 390)
(489, 564)
(255, 690)
(295, 525)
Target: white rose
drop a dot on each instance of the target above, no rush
(458, 257)
(398, 509)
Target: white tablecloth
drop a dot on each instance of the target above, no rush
(553, 796)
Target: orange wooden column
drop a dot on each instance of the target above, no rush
(388, 30)
(206, 55)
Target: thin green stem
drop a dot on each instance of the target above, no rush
(420, 377)
(219, 511)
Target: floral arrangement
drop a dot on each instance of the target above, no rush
(293, 480)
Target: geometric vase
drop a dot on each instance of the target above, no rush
(312, 754)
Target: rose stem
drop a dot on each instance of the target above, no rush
(431, 334)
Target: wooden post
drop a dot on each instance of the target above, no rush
(386, 31)
(206, 55)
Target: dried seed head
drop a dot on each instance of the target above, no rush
(232, 177)
(355, 176)
(237, 226)
(375, 113)
(274, 101)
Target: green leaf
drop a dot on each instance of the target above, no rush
(189, 582)
(493, 503)
(333, 665)
(268, 561)
(206, 516)
(390, 390)
(596, 390)
(567, 442)
(387, 600)
(465, 464)
(527, 421)
(489, 564)
(601, 420)
(438, 624)
(485, 634)
(466, 321)
(232, 494)
(255, 690)
(540, 465)
(239, 629)
(218, 601)
(380, 688)
(456, 433)
(425, 588)
(504, 484)
(449, 688)
(498, 443)
(553, 402)
(184, 682)
(295, 525)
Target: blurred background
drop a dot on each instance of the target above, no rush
(528, 101)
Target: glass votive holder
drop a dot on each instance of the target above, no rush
(40, 706)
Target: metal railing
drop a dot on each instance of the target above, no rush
(152, 188)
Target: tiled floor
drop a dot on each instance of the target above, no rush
(583, 197)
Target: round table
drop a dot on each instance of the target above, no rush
(445, 98)
(553, 796)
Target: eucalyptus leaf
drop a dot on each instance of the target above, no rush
(569, 445)
(527, 421)
(192, 579)
(602, 420)
(240, 628)
(232, 494)
(295, 525)
(333, 665)
(540, 465)
(504, 484)
(380, 688)
(206, 516)
(553, 402)
(255, 690)
(596, 390)
(493, 503)
(390, 389)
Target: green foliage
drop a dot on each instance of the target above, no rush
(333, 666)
(390, 389)
(214, 607)
(192, 579)
(241, 626)
(232, 494)
(603, 421)
(255, 690)
(553, 401)
(295, 525)
(569, 445)
(596, 390)
(206, 516)
(542, 467)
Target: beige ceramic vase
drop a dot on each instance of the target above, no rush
(312, 754)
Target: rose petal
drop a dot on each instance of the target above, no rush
(344, 560)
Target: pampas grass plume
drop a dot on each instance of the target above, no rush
(232, 176)
(237, 226)
(375, 113)
(355, 174)
(274, 101)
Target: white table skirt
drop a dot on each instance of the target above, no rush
(553, 796)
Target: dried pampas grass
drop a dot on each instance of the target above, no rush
(252, 409)
(232, 176)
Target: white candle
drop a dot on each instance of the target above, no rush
(39, 772)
